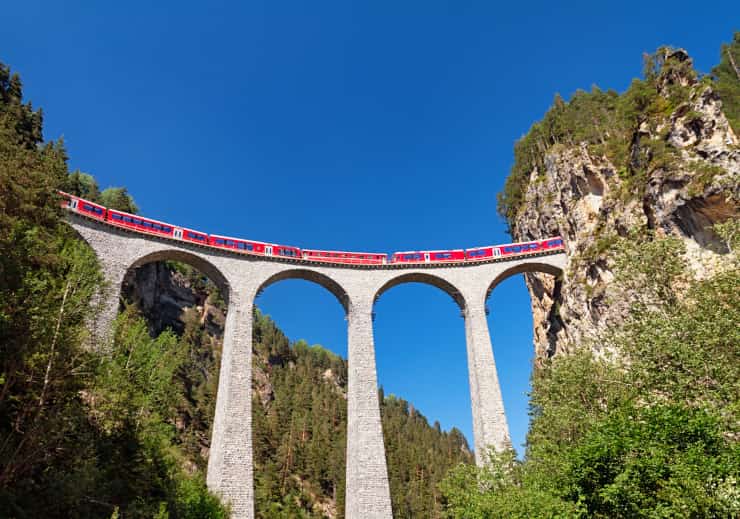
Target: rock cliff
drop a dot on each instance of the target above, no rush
(679, 176)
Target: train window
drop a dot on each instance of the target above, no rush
(219, 241)
(444, 255)
(127, 219)
(230, 243)
(116, 216)
(167, 229)
(147, 224)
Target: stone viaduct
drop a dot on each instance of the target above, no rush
(242, 277)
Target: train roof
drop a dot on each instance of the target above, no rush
(146, 218)
(240, 239)
(63, 193)
(346, 252)
(428, 251)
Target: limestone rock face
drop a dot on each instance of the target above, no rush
(583, 198)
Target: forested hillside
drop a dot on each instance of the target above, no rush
(635, 401)
(125, 432)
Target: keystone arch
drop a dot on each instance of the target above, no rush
(313, 276)
(427, 279)
(200, 263)
(522, 268)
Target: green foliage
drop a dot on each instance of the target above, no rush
(134, 387)
(82, 434)
(300, 436)
(46, 282)
(82, 184)
(729, 232)
(418, 458)
(704, 175)
(648, 427)
(727, 81)
(655, 461)
(118, 198)
(499, 493)
(85, 186)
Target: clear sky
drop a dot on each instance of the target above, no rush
(373, 126)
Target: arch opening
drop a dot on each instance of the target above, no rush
(523, 268)
(199, 263)
(427, 279)
(184, 293)
(315, 277)
(299, 404)
(425, 397)
(515, 322)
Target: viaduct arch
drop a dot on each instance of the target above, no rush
(242, 277)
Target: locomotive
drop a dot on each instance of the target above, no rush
(240, 245)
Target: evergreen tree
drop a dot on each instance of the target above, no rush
(727, 81)
(118, 198)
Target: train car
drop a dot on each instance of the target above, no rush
(350, 258)
(430, 256)
(139, 223)
(238, 244)
(184, 234)
(482, 253)
(283, 251)
(82, 206)
(514, 249)
(553, 243)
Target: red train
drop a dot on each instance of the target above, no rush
(513, 249)
(149, 226)
(350, 258)
(430, 256)
(254, 247)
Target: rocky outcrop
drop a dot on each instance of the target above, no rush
(586, 199)
(163, 294)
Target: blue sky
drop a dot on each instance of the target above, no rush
(374, 126)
